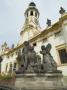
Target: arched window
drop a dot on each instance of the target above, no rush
(31, 13)
(35, 14)
(27, 14)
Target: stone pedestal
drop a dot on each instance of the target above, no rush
(32, 81)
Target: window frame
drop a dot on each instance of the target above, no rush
(62, 59)
(60, 47)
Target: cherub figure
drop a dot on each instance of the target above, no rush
(48, 62)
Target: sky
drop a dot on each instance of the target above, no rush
(12, 16)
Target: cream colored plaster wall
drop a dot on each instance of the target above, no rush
(63, 68)
(10, 60)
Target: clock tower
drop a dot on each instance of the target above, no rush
(31, 26)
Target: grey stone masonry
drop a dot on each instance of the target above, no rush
(32, 81)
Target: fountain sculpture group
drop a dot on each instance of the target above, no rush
(35, 73)
(31, 62)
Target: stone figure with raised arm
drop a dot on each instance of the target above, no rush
(29, 59)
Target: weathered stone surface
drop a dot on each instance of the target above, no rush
(28, 57)
(34, 75)
(48, 81)
(7, 87)
(31, 62)
(49, 63)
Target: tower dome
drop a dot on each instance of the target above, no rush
(32, 11)
(32, 4)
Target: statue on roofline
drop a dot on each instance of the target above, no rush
(61, 11)
(48, 22)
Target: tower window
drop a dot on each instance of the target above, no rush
(27, 14)
(44, 40)
(63, 55)
(35, 14)
(31, 13)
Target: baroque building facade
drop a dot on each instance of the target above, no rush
(55, 34)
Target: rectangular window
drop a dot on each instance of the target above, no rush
(34, 44)
(15, 64)
(44, 40)
(10, 70)
(57, 33)
(63, 55)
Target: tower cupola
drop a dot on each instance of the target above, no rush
(32, 12)
(31, 26)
